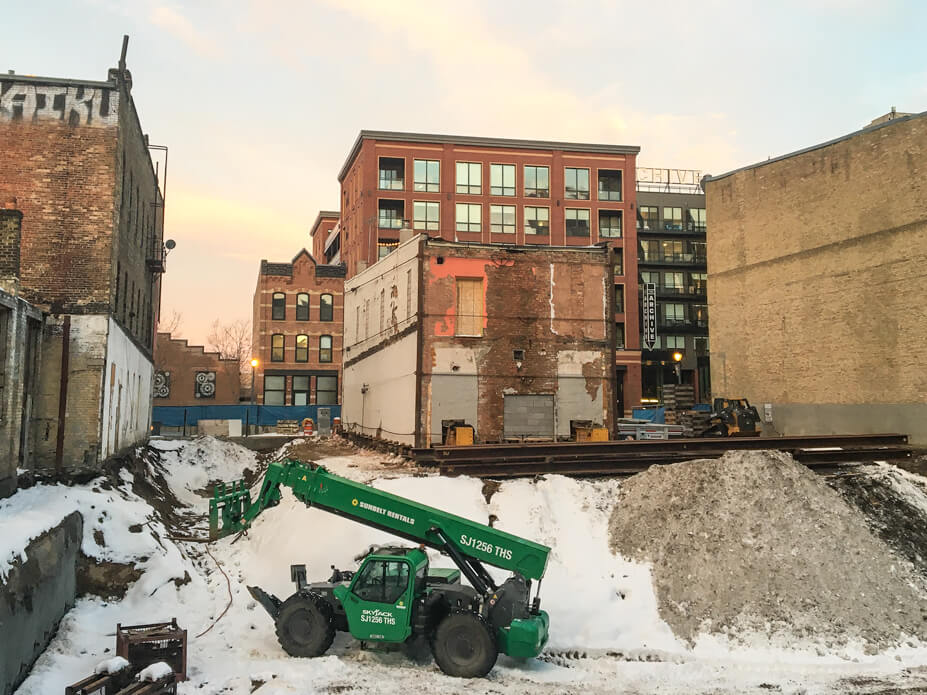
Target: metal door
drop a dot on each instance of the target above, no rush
(325, 422)
(527, 416)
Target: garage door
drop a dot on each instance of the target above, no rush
(528, 416)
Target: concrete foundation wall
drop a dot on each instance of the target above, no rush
(838, 418)
(35, 596)
(386, 406)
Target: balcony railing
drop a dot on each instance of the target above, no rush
(675, 258)
(388, 184)
(392, 222)
(690, 289)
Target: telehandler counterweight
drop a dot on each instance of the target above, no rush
(394, 597)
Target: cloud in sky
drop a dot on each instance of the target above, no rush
(178, 26)
(261, 100)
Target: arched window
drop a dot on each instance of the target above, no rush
(302, 307)
(325, 348)
(276, 347)
(326, 308)
(278, 307)
(302, 348)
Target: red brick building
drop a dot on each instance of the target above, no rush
(515, 341)
(325, 245)
(298, 329)
(91, 254)
(499, 191)
(189, 375)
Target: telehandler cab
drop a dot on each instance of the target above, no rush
(394, 597)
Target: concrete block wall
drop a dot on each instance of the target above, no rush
(35, 596)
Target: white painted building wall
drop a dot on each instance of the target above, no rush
(378, 391)
(387, 289)
(127, 383)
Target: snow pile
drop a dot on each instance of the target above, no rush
(155, 672)
(118, 525)
(114, 665)
(191, 466)
(756, 542)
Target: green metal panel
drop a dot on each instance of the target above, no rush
(398, 515)
(414, 520)
(524, 638)
(381, 621)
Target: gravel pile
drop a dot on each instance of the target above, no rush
(754, 542)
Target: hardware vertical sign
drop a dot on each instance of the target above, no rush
(650, 315)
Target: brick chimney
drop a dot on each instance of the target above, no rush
(11, 224)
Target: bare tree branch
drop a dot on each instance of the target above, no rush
(171, 324)
(232, 341)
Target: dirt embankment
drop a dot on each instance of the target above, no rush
(756, 542)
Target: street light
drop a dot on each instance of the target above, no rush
(677, 358)
(254, 363)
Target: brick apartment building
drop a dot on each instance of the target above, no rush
(74, 156)
(190, 375)
(298, 327)
(816, 283)
(516, 341)
(498, 191)
(325, 243)
(671, 233)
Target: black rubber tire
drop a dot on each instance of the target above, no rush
(464, 646)
(305, 626)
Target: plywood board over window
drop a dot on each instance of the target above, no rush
(470, 306)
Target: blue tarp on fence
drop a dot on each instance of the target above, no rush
(263, 415)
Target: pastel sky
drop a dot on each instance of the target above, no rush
(260, 101)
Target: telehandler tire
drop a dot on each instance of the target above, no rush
(305, 626)
(464, 646)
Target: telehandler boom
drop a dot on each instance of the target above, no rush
(394, 597)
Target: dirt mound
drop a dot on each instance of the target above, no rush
(754, 542)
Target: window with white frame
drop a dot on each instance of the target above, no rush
(502, 219)
(576, 183)
(469, 178)
(426, 216)
(610, 224)
(427, 175)
(577, 222)
(502, 179)
(537, 182)
(537, 221)
(469, 217)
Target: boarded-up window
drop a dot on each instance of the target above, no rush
(470, 306)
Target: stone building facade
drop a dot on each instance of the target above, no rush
(515, 341)
(298, 329)
(91, 256)
(189, 375)
(816, 283)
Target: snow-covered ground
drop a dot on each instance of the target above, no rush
(606, 633)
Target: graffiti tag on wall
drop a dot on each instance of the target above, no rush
(73, 105)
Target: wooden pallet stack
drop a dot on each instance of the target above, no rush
(678, 401)
(288, 427)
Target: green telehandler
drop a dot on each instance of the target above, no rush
(394, 597)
